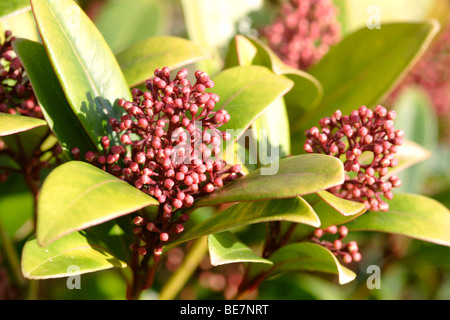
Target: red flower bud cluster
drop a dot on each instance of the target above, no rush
(16, 93)
(367, 142)
(170, 144)
(348, 251)
(145, 231)
(303, 32)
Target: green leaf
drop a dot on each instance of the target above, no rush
(293, 209)
(57, 111)
(297, 175)
(249, 88)
(272, 133)
(16, 204)
(333, 210)
(416, 117)
(140, 60)
(77, 195)
(307, 91)
(71, 255)
(365, 66)
(356, 14)
(212, 24)
(142, 19)
(21, 23)
(411, 215)
(12, 7)
(10, 124)
(84, 64)
(225, 248)
(309, 257)
(409, 154)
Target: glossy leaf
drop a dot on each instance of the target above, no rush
(26, 143)
(366, 65)
(249, 88)
(211, 24)
(411, 215)
(20, 22)
(307, 91)
(140, 60)
(309, 257)
(57, 111)
(71, 255)
(12, 7)
(272, 133)
(77, 195)
(293, 209)
(409, 154)
(84, 64)
(333, 210)
(225, 248)
(298, 175)
(10, 124)
(418, 120)
(143, 19)
(360, 13)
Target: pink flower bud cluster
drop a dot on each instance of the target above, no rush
(16, 93)
(146, 230)
(303, 31)
(366, 142)
(347, 251)
(170, 145)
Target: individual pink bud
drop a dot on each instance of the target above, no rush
(352, 247)
(164, 236)
(331, 229)
(105, 142)
(236, 168)
(189, 200)
(158, 251)
(139, 221)
(337, 244)
(188, 180)
(138, 184)
(318, 233)
(90, 156)
(152, 227)
(140, 158)
(209, 188)
(307, 147)
(146, 179)
(356, 256)
(347, 258)
(177, 203)
(343, 231)
(142, 123)
(179, 228)
(142, 251)
(125, 139)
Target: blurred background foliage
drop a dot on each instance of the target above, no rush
(410, 269)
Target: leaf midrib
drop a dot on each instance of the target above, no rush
(65, 252)
(81, 62)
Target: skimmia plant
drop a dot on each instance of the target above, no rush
(136, 158)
